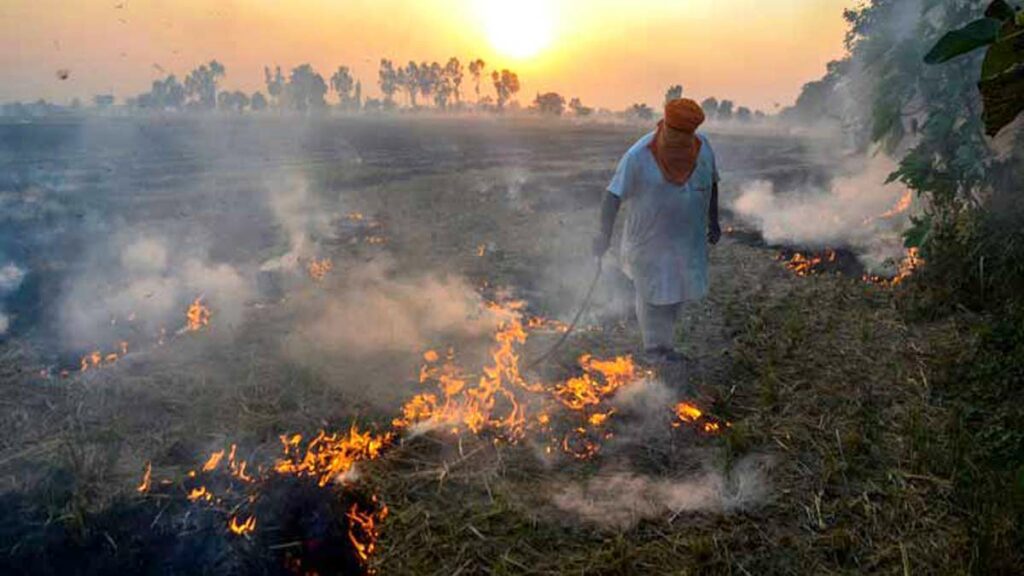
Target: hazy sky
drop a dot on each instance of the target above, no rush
(610, 53)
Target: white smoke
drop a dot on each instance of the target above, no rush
(620, 499)
(302, 218)
(372, 310)
(11, 277)
(146, 288)
(857, 211)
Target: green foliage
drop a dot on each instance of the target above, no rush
(1002, 72)
(975, 35)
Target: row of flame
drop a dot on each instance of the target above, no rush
(501, 403)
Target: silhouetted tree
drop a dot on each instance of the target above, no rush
(674, 93)
(409, 78)
(725, 110)
(357, 99)
(103, 101)
(641, 111)
(454, 74)
(258, 102)
(305, 90)
(710, 106)
(275, 85)
(166, 94)
(743, 114)
(387, 79)
(430, 82)
(579, 109)
(235, 101)
(201, 84)
(342, 83)
(506, 85)
(551, 104)
(476, 69)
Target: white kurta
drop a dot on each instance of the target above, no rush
(664, 243)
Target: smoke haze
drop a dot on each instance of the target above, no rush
(10, 280)
(620, 499)
(857, 211)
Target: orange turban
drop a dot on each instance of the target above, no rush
(677, 157)
(684, 114)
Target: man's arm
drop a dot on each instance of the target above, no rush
(609, 211)
(714, 227)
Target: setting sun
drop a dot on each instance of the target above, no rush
(518, 29)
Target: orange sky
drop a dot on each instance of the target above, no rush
(610, 53)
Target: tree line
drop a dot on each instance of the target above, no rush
(444, 87)
(451, 86)
(304, 89)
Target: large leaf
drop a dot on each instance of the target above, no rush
(1002, 79)
(1004, 98)
(1000, 10)
(975, 35)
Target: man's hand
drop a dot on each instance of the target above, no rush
(601, 244)
(714, 233)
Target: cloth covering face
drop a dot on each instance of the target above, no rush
(677, 161)
(664, 243)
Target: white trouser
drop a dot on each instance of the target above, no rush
(657, 323)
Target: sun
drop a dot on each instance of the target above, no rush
(519, 28)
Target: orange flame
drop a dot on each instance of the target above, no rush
(318, 269)
(806, 265)
(242, 528)
(901, 206)
(147, 479)
(329, 456)
(197, 316)
(213, 461)
(200, 493)
(688, 413)
(364, 530)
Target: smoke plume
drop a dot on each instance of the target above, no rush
(859, 211)
(141, 284)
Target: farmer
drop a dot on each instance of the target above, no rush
(669, 181)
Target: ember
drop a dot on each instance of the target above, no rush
(318, 269)
(809, 264)
(688, 414)
(242, 528)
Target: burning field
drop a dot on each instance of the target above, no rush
(328, 365)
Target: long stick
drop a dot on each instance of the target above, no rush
(579, 314)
